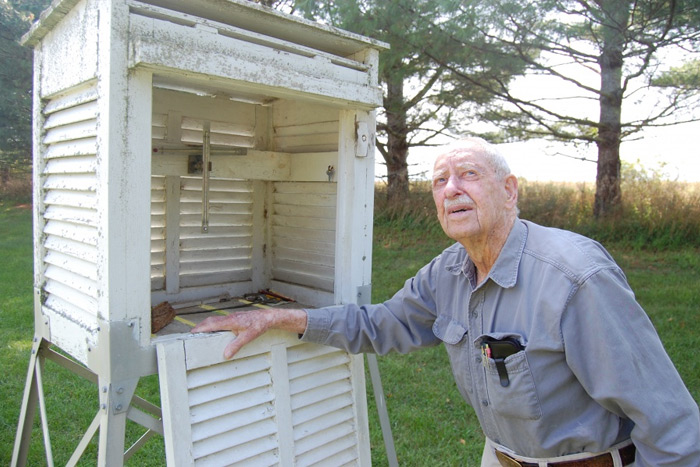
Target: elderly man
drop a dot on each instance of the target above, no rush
(545, 338)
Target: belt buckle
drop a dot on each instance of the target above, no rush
(506, 460)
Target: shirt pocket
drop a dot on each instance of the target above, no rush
(518, 399)
(453, 334)
(448, 330)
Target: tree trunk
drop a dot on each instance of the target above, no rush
(608, 194)
(397, 142)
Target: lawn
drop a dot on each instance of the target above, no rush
(429, 419)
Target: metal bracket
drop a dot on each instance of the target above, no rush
(364, 139)
(364, 294)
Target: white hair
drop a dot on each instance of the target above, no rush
(493, 157)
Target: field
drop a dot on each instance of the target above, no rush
(428, 417)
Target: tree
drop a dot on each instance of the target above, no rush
(16, 84)
(422, 98)
(620, 42)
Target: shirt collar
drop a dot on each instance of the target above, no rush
(505, 271)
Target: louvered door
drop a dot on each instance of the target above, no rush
(278, 402)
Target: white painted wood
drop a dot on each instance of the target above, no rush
(73, 148)
(260, 234)
(173, 390)
(279, 372)
(278, 400)
(78, 113)
(172, 229)
(236, 32)
(257, 66)
(354, 227)
(71, 231)
(75, 32)
(71, 97)
(118, 111)
(158, 232)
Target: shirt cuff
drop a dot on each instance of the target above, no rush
(317, 326)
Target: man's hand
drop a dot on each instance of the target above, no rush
(249, 325)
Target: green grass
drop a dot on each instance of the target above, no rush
(428, 417)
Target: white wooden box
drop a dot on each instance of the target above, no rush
(128, 95)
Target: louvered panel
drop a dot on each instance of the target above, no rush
(322, 423)
(232, 412)
(307, 266)
(297, 256)
(277, 402)
(70, 295)
(216, 220)
(310, 211)
(70, 132)
(231, 231)
(74, 148)
(299, 278)
(300, 223)
(235, 201)
(77, 164)
(72, 231)
(209, 375)
(159, 124)
(308, 143)
(255, 453)
(242, 437)
(303, 234)
(70, 204)
(87, 217)
(337, 444)
(70, 115)
(86, 269)
(78, 314)
(224, 265)
(224, 253)
(225, 277)
(72, 98)
(79, 283)
(202, 243)
(226, 423)
(307, 136)
(320, 392)
(221, 133)
(85, 199)
(158, 233)
(221, 403)
(78, 182)
(333, 404)
(242, 187)
(321, 401)
(70, 247)
(216, 254)
(320, 242)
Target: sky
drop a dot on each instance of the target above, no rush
(672, 151)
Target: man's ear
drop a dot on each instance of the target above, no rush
(511, 186)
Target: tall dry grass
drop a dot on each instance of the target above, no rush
(16, 187)
(655, 213)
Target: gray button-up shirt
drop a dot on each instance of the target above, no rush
(593, 371)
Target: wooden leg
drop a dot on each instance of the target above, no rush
(115, 400)
(29, 403)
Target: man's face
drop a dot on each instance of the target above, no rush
(472, 201)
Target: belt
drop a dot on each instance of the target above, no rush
(601, 460)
